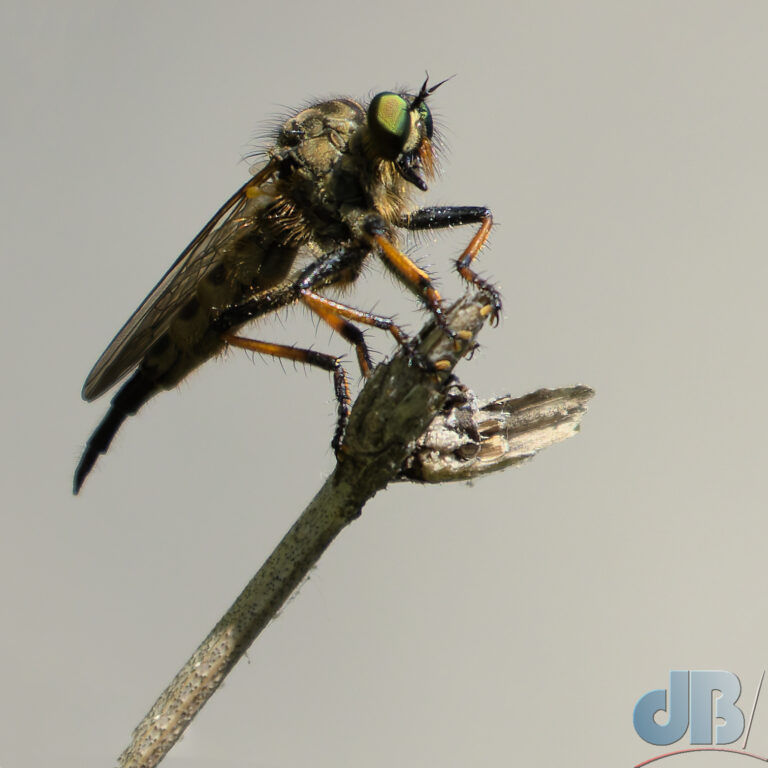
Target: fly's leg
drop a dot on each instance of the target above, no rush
(440, 217)
(310, 357)
(338, 316)
(341, 265)
(412, 276)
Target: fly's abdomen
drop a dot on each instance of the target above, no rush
(252, 265)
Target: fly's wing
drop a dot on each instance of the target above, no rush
(178, 284)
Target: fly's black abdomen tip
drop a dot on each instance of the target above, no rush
(98, 443)
(85, 465)
(129, 398)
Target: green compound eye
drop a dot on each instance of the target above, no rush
(389, 120)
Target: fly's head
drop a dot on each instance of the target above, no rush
(400, 133)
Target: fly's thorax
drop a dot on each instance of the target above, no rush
(334, 121)
(310, 144)
(328, 165)
(309, 150)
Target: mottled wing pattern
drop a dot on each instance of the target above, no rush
(151, 319)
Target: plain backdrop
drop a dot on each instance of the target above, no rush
(623, 149)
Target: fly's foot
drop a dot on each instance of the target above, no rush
(437, 312)
(470, 353)
(494, 305)
(495, 298)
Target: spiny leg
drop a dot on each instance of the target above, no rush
(338, 316)
(338, 266)
(310, 357)
(439, 217)
(411, 275)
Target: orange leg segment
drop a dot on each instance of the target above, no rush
(414, 277)
(471, 251)
(338, 316)
(465, 270)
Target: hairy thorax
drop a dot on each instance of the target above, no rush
(329, 178)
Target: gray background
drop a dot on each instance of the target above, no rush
(622, 147)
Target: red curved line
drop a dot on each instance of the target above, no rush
(703, 749)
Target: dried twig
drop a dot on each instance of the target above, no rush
(395, 408)
(470, 438)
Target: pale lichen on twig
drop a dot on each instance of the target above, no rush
(409, 422)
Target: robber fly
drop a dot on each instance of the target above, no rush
(332, 191)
